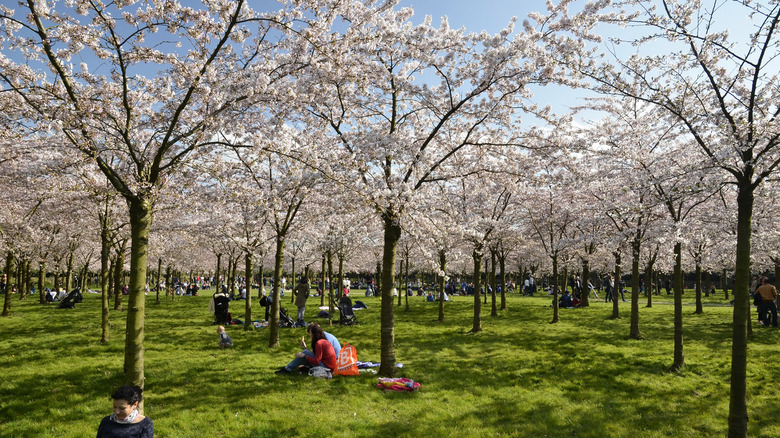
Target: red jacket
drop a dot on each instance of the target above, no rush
(323, 352)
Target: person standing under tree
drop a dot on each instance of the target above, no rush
(301, 295)
(767, 306)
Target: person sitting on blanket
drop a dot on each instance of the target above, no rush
(323, 355)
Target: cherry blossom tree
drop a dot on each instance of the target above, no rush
(719, 83)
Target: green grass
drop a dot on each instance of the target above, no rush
(521, 376)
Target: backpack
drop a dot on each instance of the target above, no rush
(346, 363)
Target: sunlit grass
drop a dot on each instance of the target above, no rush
(521, 376)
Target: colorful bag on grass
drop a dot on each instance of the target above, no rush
(397, 384)
(346, 363)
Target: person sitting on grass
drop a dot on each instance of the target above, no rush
(323, 355)
(224, 339)
(126, 422)
(565, 300)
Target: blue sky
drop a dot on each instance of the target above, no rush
(475, 15)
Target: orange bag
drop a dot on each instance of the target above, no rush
(346, 363)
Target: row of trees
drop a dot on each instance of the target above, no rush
(344, 129)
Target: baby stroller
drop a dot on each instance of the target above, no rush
(345, 310)
(72, 298)
(222, 309)
(284, 318)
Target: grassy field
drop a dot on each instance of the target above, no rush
(521, 376)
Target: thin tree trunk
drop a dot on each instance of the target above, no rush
(502, 265)
(406, 294)
(217, 279)
(9, 275)
(330, 287)
(699, 307)
(322, 281)
(585, 291)
(556, 316)
(169, 283)
(69, 273)
(157, 282)
(294, 282)
(487, 281)
(340, 290)
(616, 290)
(649, 277)
(105, 267)
(24, 274)
(443, 268)
(726, 284)
(392, 230)
(636, 247)
(273, 324)
(477, 257)
(493, 309)
(679, 357)
(119, 274)
(42, 281)
(248, 303)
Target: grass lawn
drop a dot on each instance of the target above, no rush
(521, 376)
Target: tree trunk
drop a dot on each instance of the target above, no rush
(330, 287)
(616, 289)
(340, 290)
(636, 247)
(42, 281)
(442, 281)
(260, 286)
(726, 283)
(649, 277)
(322, 281)
(477, 257)
(169, 282)
(699, 307)
(493, 309)
(248, 303)
(229, 277)
(69, 273)
(57, 277)
(157, 282)
(294, 282)
(679, 357)
(105, 267)
(119, 274)
(273, 323)
(387, 332)
(556, 316)
(502, 265)
(378, 277)
(217, 279)
(9, 275)
(738, 416)
(487, 282)
(406, 294)
(585, 292)
(24, 274)
(140, 223)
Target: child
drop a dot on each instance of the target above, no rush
(224, 339)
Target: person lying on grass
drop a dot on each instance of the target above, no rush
(324, 353)
(126, 422)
